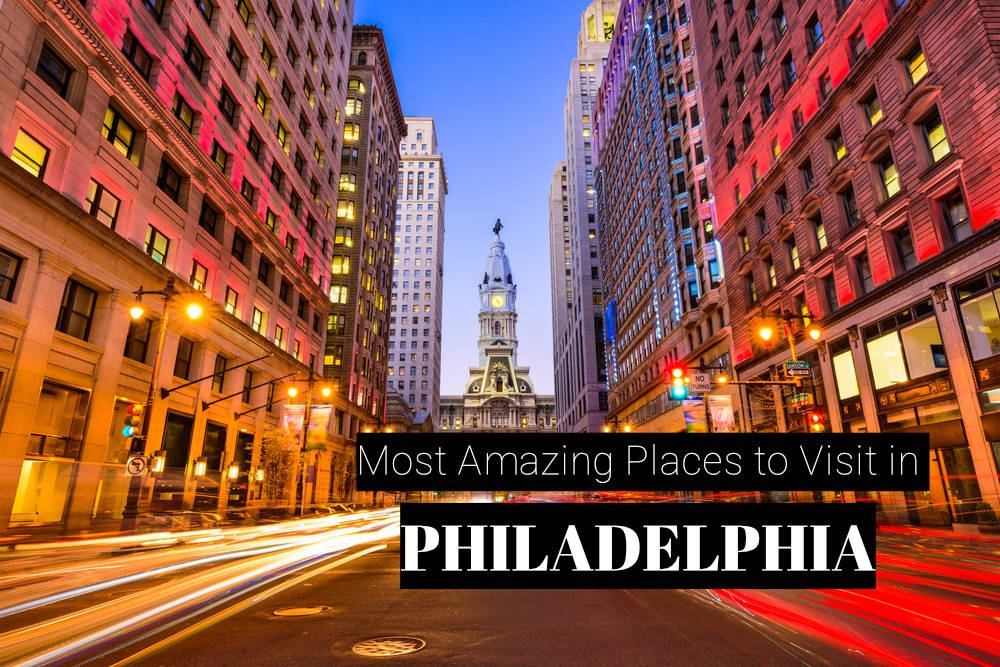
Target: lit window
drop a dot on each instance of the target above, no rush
(232, 301)
(916, 65)
(934, 136)
(956, 216)
(889, 176)
(348, 182)
(341, 265)
(156, 245)
(199, 276)
(102, 204)
(345, 209)
(873, 110)
(352, 131)
(120, 134)
(30, 154)
(259, 321)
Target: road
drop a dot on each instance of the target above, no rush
(210, 597)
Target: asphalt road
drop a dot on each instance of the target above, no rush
(486, 627)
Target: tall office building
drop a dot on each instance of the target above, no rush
(577, 329)
(360, 291)
(662, 274)
(417, 274)
(560, 259)
(147, 143)
(854, 148)
(499, 395)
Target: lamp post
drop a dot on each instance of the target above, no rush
(766, 333)
(138, 444)
(325, 392)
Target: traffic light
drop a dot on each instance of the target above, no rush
(678, 382)
(133, 419)
(816, 421)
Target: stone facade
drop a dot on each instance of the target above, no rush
(184, 140)
(853, 151)
(578, 331)
(418, 269)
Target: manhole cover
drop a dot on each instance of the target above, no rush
(310, 610)
(382, 647)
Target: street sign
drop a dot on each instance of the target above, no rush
(700, 383)
(800, 401)
(797, 369)
(135, 466)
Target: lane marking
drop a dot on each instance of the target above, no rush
(242, 606)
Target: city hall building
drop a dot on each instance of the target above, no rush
(499, 395)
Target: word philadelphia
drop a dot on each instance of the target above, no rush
(650, 548)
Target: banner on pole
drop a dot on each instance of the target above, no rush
(694, 416)
(721, 408)
(319, 423)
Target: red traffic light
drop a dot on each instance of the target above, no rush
(677, 372)
(816, 421)
(133, 419)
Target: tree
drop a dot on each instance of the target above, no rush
(277, 459)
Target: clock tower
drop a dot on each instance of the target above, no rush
(499, 395)
(497, 303)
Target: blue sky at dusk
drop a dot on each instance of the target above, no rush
(494, 79)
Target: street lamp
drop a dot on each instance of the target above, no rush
(766, 332)
(293, 392)
(138, 444)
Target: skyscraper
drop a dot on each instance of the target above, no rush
(664, 302)
(360, 289)
(854, 153)
(156, 142)
(499, 395)
(577, 323)
(417, 273)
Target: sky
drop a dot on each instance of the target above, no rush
(493, 76)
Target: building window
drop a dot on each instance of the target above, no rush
(793, 254)
(819, 230)
(808, 176)
(341, 265)
(219, 373)
(53, 70)
(916, 65)
(239, 248)
(208, 218)
(348, 182)
(185, 355)
(825, 85)
(744, 242)
(858, 43)
(30, 154)
(10, 269)
(232, 301)
(888, 177)
(279, 336)
(265, 270)
(772, 274)
(169, 180)
(248, 190)
(261, 99)
(905, 354)
(788, 73)
(102, 204)
(850, 204)
(956, 216)
(814, 34)
(829, 286)
(206, 9)
(863, 272)
(751, 290)
(194, 57)
(780, 22)
(766, 104)
(120, 134)
(235, 55)
(353, 107)
(935, 138)
(258, 321)
(137, 339)
(873, 109)
(199, 276)
(156, 8)
(138, 56)
(76, 312)
(219, 156)
(227, 105)
(846, 377)
(156, 245)
(902, 240)
(979, 301)
(837, 145)
(183, 111)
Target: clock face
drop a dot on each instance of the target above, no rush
(497, 300)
